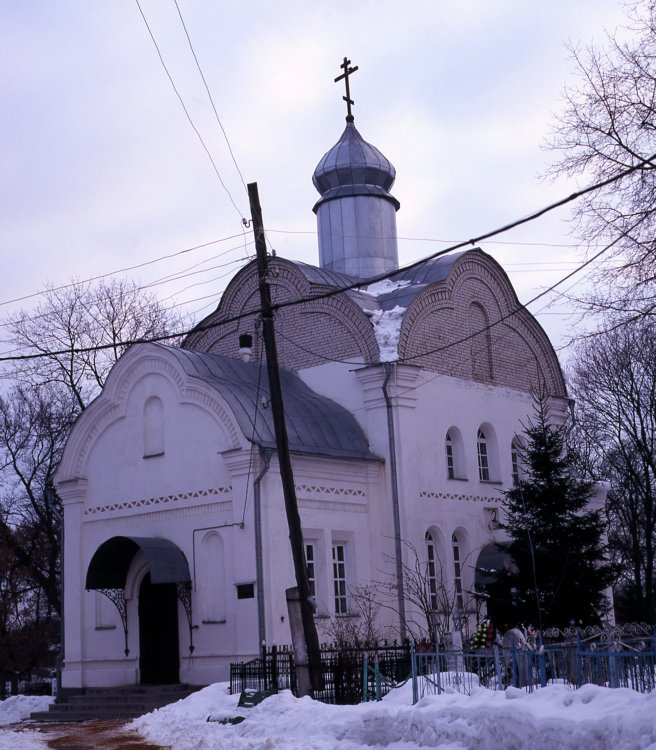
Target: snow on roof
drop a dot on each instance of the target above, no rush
(387, 329)
(386, 286)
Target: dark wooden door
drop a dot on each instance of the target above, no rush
(159, 658)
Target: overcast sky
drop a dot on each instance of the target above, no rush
(101, 169)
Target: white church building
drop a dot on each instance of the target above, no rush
(404, 402)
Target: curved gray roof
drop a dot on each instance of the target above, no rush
(428, 272)
(353, 167)
(316, 275)
(109, 565)
(419, 277)
(315, 424)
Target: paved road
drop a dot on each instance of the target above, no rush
(94, 735)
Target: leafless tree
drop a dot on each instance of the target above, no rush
(607, 125)
(614, 383)
(434, 606)
(361, 628)
(89, 324)
(34, 423)
(79, 332)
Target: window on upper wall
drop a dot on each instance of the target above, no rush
(457, 573)
(311, 569)
(483, 457)
(431, 571)
(516, 461)
(480, 342)
(454, 454)
(450, 464)
(339, 579)
(153, 427)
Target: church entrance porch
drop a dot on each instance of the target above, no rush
(114, 570)
(159, 648)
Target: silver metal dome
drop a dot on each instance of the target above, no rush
(356, 215)
(353, 167)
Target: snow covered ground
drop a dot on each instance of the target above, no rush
(16, 709)
(591, 718)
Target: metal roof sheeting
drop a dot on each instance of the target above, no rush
(109, 565)
(315, 424)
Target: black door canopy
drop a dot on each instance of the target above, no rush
(493, 560)
(109, 565)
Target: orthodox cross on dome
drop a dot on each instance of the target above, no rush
(345, 75)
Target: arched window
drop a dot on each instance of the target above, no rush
(212, 571)
(431, 571)
(454, 454)
(516, 460)
(480, 342)
(450, 461)
(457, 574)
(483, 457)
(153, 427)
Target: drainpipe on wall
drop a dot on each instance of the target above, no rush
(259, 563)
(398, 551)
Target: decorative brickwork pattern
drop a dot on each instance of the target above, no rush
(338, 491)
(332, 505)
(334, 328)
(133, 504)
(458, 497)
(168, 514)
(442, 331)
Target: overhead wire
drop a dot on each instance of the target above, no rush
(476, 333)
(207, 89)
(244, 222)
(447, 242)
(380, 277)
(166, 279)
(115, 272)
(186, 111)
(543, 293)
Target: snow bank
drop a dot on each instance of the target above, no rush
(15, 709)
(19, 707)
(556, 716)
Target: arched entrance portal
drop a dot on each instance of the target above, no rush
(159, 649)
(166, 582)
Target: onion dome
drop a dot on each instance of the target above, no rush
(356, 215)
(354, 167)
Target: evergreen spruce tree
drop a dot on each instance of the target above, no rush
(557, 544)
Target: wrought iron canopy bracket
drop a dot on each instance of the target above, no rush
(117, 598)
(184, 595)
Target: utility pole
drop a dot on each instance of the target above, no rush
(304, 632)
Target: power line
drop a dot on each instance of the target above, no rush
(120, 270)
(216, 114)
(380, 277)
(166, 279)
(574, 245)
(186, 111)
(531, 301)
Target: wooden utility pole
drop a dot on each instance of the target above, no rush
(308, 664)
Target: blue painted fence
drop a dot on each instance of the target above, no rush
(618, 664)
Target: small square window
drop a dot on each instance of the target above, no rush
(245, 591)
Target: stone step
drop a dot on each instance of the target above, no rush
(97, 699)
(69, 718)
(126, 702)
